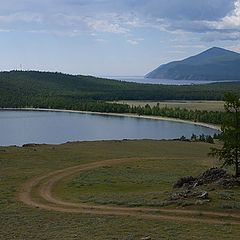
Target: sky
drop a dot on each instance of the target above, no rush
(112, 37)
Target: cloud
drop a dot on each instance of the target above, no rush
(227, 28)
(58, 33)
(101, 40)
(219, 18)
(104, 25)
(220, 36)
(235, 48)
(184, 9)
(132, 42)
(5, 30)
(232, 20)
(22, 17)
(216, 19)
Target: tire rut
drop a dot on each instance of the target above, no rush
(45, 184)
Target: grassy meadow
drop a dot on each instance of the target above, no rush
(189, 105)
(142, 183)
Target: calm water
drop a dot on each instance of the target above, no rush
(20, 127)
(140, 79)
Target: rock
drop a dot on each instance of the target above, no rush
(146, 238)
(229, 182)
(186, 194)
(212, 175)
(204, 195)
(184, 181)
(195, 184)
(194, 189)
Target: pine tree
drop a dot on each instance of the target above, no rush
(229, 154)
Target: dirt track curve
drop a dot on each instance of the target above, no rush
(44, 199)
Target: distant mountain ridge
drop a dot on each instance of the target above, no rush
(212, 64)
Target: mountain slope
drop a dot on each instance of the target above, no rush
(212, 64)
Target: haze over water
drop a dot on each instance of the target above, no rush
(142, 79)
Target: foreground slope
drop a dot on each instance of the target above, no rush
(19, 165)
(213, 64)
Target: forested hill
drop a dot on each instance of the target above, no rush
(212, 64)
(45, 89)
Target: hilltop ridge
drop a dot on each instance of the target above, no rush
(213, 64)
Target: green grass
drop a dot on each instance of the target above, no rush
(189, 105)
(144, 183)
(18, 221)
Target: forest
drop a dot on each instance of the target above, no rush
(20, 89)
(23, 87)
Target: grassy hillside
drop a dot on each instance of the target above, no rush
(44, 89)
(213, 64)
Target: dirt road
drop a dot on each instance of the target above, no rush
(37, 192)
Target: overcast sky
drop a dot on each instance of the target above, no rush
(112, 37)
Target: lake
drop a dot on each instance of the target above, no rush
(141, 79)
(21, 127)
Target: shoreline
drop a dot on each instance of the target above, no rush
(207, 125)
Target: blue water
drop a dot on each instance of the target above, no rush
(141, 79)
(21, 127)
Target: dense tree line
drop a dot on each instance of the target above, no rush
(214, 117)
(16, 85)
(200, 138)
(67, 103)
(61, 91)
